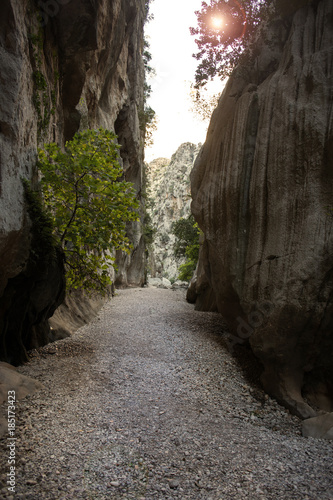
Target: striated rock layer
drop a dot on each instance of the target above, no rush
(169, 192)
(80, 66)
(262, 193)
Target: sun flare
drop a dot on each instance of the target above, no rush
(217, 22)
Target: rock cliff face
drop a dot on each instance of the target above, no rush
(169, 190)
(262, 193)
(65, 66)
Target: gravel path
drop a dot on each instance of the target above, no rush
(147, 403)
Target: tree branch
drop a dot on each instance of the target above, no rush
(75, 207)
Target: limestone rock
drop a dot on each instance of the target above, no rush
(82, 69)
(101, 47)
(169, 189)
(77, 310)
(165, 283)
(200, 291)
(11, 380)
(159, 282)
(262, 193)
(154, 281)
(179, 284)
(320, 427)
(29, 300)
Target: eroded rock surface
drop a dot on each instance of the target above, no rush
(169, 190)
(19, 386)
(262, 193)
(320, 427)
(82, 69)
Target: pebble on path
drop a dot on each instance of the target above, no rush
(146, 402)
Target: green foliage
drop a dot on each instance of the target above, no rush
(148, 123)
(187, 235)
(146, 55)
(148, 16)
(192, 254)
(89, 204)
(164, 238)
(147, 116)
(186, 270)
(148, 230)
(44, 242)
(203, 103)
(44, 99)
(221, 46)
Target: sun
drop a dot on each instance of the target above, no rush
(217, 22)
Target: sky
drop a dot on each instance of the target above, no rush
(172, 46)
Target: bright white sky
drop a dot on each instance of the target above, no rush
(172, 46)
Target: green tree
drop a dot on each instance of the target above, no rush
(203, 103)
(148, 124)
(89, 203)
(147, 116)
(148, 16)
(192, 254)
(186, 233)
(225, 28)
(186, 245)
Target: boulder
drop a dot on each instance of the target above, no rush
(78, 309)
(165, 283)
(11, 380)
(154, 281)
(320, 427)
(179, 284)
(159, 282)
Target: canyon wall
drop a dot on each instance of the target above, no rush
(65, 66)
(170, 199)
(262, 194)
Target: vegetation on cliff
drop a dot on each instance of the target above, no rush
(187, 234)
(147, 115)
(225, 28)
(89, 203)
